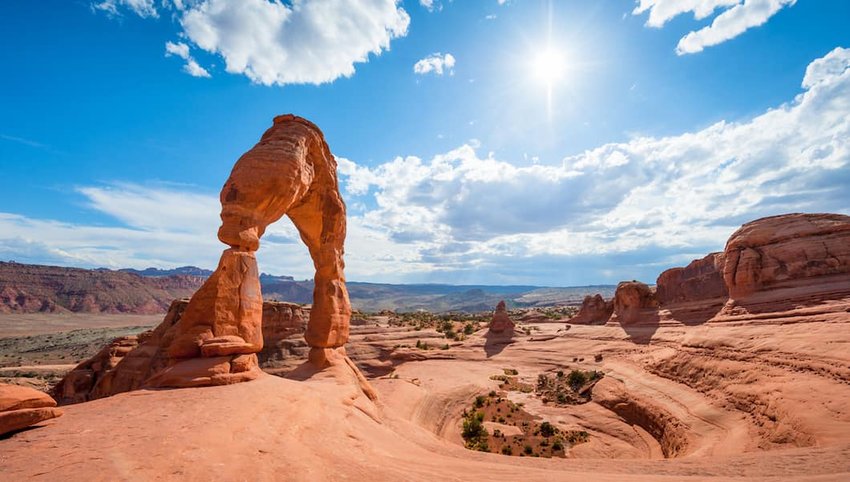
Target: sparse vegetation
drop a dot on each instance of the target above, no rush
(537, 438)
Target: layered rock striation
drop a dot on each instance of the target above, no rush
(699, 280)
(22, 407)
(788, 248)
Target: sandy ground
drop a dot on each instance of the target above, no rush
(761, 401)
(17, 325)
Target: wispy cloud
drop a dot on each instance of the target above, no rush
(26, 142)
(436, 64)
(191, 66)
(737, 17)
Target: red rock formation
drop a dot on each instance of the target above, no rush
(216, 339)
(501, 323)
(21, 407)
(791, 247)
(594, 310)
(633, 302)
(701, 279)
(120, 367)
(289, 172)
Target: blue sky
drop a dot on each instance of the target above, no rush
(660, 127)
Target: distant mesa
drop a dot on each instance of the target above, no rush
(22, 407)
(158, 273)
(26, 288)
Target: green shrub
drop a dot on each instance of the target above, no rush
(577, 379)
(547, 429)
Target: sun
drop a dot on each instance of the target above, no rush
(548, 66)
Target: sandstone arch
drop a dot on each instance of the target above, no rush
(292, 172)
(215, 339)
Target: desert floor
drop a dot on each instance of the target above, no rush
(758, 400)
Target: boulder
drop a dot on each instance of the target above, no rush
(594, 310)
(22, 407)
(787, 248)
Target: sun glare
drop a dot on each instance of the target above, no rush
(548, 66)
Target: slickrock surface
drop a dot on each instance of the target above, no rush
(501, 324)
(21, 407)
(594, 311)
(748, 403)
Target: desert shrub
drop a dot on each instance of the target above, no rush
(468, 329)
(547, 429)
(492, 393)
(577, 379)
(479, 401)
(497, 433)
(474, 433)
(577, 436)
(527, 449)
(557, 445)
(507, 450)
(511, 371)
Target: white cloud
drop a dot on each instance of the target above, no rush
(737, 17)
(305, 42)
(278, 43)
(435, 63)
(181, 50)
(431, 5)
(620, 211)
(142, 8)
(680, 192)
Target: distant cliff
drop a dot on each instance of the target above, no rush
(26, 288)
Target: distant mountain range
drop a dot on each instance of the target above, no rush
(33, 288)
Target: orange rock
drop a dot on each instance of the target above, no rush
(778, 249)
(501, 323)
(21, 407)
(632, 301)
(289, 172)
(594, 310)
(700, 280)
